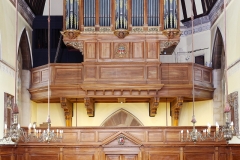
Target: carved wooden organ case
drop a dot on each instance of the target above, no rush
(121, 41)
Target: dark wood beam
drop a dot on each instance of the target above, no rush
(194, 8)
(184, 9)
(204, 6)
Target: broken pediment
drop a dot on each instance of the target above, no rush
(121, 139)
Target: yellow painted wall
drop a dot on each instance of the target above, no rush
(203, 113)
(102, 111)
(56, 113)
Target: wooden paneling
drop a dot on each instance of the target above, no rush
(141, 143)
(154, 136)
(199, 156)
(122, 72)
(152, 72)
(105, 50)
(90, 51)
(138, 50)
(87, 136)
(163, 156)
(90, 73)
(152, 50)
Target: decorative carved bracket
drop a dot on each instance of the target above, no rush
(68, 109)
(153, 106)
(176, 106)
(75, 44)
(167, 44)
(89, 104)
(121, 33)
(171, 33)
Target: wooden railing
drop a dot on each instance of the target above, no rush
(139, 143)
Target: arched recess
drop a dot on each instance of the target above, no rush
(25, 50)
(24, 64)
(121, 118)
(218, 50)
(218, 64)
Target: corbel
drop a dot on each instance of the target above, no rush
(153, 105)
(89, 104)
(176, 106)
(68, 110)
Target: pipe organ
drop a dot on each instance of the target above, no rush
(130, 15)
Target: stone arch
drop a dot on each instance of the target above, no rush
(25, 50)
(218, 50)
(121, 118)
(24, 66)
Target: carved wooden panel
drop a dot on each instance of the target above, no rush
(122, 72)
(199, 156)
(121, 50)
(163, 156)
(175, 74)
(67, 75)
(90, 73)
(152, 72)
(152, 50)
(105, 50)
(154, 136)
(87, 136)
(6, 157)
(40, 76)
(70, 137)
(78, 157)
(121, 157)
(90, 51)
(138, 50)
(172, 136)
(43, 157)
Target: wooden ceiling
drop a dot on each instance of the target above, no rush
(37, 6)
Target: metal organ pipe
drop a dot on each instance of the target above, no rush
(170, 14)
(72, 14)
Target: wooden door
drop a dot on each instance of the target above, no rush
(121, 157)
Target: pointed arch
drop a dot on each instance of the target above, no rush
(218, 50)
(25, 50)
(121, 118)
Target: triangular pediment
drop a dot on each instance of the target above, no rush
(121, 139)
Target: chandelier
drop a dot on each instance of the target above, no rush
(14, 133)
(227, 131)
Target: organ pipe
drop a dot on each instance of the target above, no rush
(121, 21)
(170, 14)
(153, 12)
(72, 14)
(105, 12)
(89, 13)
